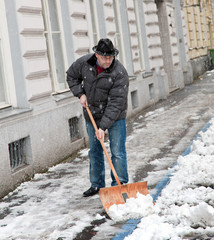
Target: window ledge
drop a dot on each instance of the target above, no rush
(62, 96)
(11, 112)
(131, 78)
(147, 74)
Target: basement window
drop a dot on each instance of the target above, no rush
(18, 153)
(74, 127)
(134, 99)
(151, 91)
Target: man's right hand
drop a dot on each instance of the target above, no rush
(83, 100)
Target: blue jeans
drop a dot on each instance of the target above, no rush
(117, 139)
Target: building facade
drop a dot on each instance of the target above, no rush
(41, 123)
(200, 33)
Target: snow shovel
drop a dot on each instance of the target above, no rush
(117, 194)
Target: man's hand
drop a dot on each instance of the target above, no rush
(83, 100)
(100, 134)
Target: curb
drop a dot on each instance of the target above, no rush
(131, 224)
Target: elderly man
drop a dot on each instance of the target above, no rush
(100, 81)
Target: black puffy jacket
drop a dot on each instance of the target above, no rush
(106, 93)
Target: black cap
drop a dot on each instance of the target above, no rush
(105, 47)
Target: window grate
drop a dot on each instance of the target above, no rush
(134, 99)
(151, 91)
(74, 128)
(17, 154)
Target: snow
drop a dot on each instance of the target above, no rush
(186, 205)
(138, 207)
(45, 206)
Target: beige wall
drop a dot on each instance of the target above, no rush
(200, 27)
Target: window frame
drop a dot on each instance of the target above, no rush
(94, 21)
(48, 32)
(139, 34)
(6, 62)
(4, 90)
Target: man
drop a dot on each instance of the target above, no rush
(100, 81)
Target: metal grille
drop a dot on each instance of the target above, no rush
(17, 153)
(74, 128)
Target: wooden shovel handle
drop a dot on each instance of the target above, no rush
(103, 146)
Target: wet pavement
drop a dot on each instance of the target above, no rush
(155, 139)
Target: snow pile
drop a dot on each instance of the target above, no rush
(185, 208)
(152, 228)
(133, 208)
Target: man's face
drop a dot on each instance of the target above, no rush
(104, 61)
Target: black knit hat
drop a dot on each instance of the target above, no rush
(105, 47)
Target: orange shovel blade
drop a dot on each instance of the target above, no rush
(119, 194)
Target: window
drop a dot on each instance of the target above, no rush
(94, 21)
(18, 153)
(118, 34)
(134, 99)
(123, 40)
(3, 96)
(6, 70)
(74, 127)
(138, 14)
(55, 43)
(151, 91)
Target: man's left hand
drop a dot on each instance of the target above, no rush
(100, 134)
